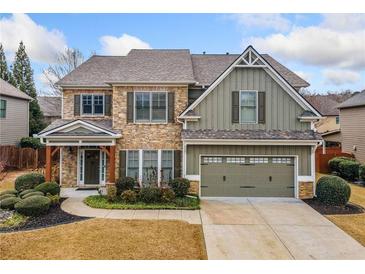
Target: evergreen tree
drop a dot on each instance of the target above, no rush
(4, 71)
(23, 79)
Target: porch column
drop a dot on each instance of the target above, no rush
(112, 164)
(48, 163)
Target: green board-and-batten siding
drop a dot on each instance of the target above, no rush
(193, 152)
(281, 111)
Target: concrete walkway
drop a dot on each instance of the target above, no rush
(272, 228)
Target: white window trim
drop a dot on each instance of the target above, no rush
(150, 107)
(257, 107)
(81, 153)
(92, 104)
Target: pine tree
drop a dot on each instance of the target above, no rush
(23, 79)
(4, 71)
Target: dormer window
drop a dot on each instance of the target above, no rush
(92, 104)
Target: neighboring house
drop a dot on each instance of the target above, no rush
(329, 125)
(51, 108)
(352, 117)
(246, 132)
(14, 114)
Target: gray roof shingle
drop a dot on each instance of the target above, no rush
(10, 90)
(324, 104)
(50, 105)
(355, 101)
(240, 134)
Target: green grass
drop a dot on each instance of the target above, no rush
(97, 201)
(15, 220)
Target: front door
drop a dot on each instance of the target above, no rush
(92, 163)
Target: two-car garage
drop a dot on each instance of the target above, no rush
(247, 176)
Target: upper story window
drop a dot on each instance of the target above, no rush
(92, 104)
(2, 108)
(337, 120)
(151, 107)
(248, 107)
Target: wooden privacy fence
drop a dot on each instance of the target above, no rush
(17, 157)
(322, 159)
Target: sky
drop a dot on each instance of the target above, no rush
(327, 50)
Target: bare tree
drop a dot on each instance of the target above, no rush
(67, 61)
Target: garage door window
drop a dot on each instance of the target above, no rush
(259, 160)
(281, 160)
(211, 160)
(235, 160)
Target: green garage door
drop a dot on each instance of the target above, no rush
(236, 176)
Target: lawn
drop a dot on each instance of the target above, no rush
(7, 178)
(107, 239)
(97, 201)
(353, 224)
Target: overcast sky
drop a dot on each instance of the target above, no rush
(326, 50)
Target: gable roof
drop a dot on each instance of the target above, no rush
(10, 90)
(355, 101)
(50, 105)
(251, 58)
(324, 104)
(162, 66)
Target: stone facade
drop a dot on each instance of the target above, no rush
(69, 167)
(306, 190)
(194, 187)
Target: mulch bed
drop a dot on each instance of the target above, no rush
(334, 210)
(55, 216)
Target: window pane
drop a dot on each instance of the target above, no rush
(133, 164)
(248, 107)
(87, 104)
(98, 104)
(150, 165)
(159, 107)
(166, 166)
(142, 106)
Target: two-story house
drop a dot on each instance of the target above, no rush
(235, 125)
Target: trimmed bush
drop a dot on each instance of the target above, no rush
(55, 199)
(362, 172)
(28, 181)
(8, 203)
(111, 193)
(34, 193)
(30, 142)
(125, 183)
(167, 195)
(33, 206)
(349, 170)
(24, 192)
(150, 195)
(333, 190)
(9, 191)
(334, 163)
(49, 187)
(180, 186)
(129, 196)
(2, 197)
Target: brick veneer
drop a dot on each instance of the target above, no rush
(306, 190)
(69, 167)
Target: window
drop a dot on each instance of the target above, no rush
(259, 160)
(248, 107)
(151, 107)
(337, 120)
(2, 108)
(166, 165)
(235, 160)
(133, 164)
(277, 160)
(92, 104)
(150, 166)
(211, 160)
(103, 166)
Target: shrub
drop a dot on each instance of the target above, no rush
(180, 186)
(49, 187)
(34, 193)
(150, 195)
(9, 202)
(24, 192)
(129, 196)
(33, 206)
(30, 142)
(167, 195)
(2, 197)
(333, 190)
(362, 172)
(111, 193)
(55, 199)
(9, 191)
(28, 181)
(349, 169)
(334, 163)
(125, 183)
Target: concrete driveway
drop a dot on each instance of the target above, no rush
(272, 228)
